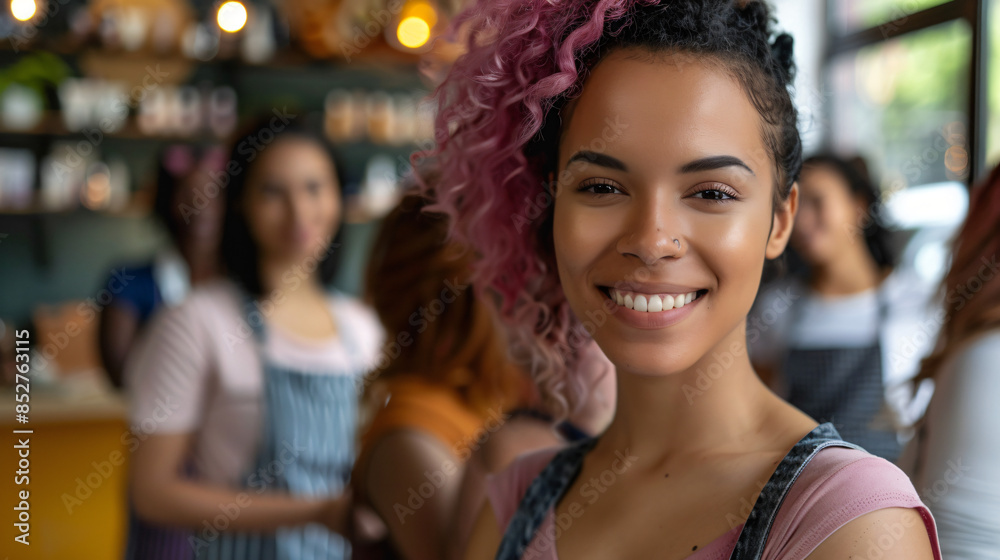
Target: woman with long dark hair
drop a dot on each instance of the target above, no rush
(842, 336)
(244, 396)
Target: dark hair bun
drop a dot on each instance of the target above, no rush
(782, 51)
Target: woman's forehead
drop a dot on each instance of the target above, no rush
(663, 107)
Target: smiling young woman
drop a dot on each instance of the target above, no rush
(653, 244)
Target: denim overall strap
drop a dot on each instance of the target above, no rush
(750, 545)
(306, 449)
(542, 495)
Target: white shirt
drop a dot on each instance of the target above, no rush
(955, 461)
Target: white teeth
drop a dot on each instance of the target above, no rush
(652, 303)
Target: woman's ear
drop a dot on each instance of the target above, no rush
(782, 223)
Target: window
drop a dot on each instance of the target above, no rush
(903, 105)
(852, 15)
(993, 87)
(901, 75)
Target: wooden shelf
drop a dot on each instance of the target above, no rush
(52, 125)
(376, 54)
(82, 397)
(127, 212)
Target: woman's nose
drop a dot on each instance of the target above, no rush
(651, 234)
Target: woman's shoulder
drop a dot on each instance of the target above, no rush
(211, 306)
(966, 385)
(416, 404)
(981, 352)
(837, 486)
(504, 489)
(362, 320)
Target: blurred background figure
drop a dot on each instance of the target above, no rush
(191, 214)
(954, 460)
(259, 370)
(443, 378)
(837, 338)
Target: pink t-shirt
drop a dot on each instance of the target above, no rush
(197, 369)
(838, 485)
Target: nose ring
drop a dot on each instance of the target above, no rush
(677, 242)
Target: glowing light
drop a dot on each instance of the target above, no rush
(232, 16)
(97, 192)
(413, 32)
(22, 10)
(956, 159)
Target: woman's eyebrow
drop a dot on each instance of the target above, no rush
(598, 158)
(715, 162)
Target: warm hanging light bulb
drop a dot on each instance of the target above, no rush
(22, 10)
(416, 21)
(413, 32)
(232, 16)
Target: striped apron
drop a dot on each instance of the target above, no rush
(556, 478)
(307, 449)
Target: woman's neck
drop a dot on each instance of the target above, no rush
(202, 262)
(850, 273)
(285, 279)
(714, 404)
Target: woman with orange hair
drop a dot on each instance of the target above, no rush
(955, 459)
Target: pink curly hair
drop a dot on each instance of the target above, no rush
(521, 55)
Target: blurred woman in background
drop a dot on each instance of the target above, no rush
(251, 381)
(448, 398)
(193, 223)
(955, 459)
(839, 342)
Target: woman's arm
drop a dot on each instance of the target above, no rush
(118, 326)
(518, 436)
(485, 540)
(162, 496)
(412, 481)
(888, 534)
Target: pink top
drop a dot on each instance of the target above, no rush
(838, 485)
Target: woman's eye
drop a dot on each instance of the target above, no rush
(601, 188)
(270, 191)
(714, 194)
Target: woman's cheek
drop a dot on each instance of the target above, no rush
(581, 235)
(735, 250)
